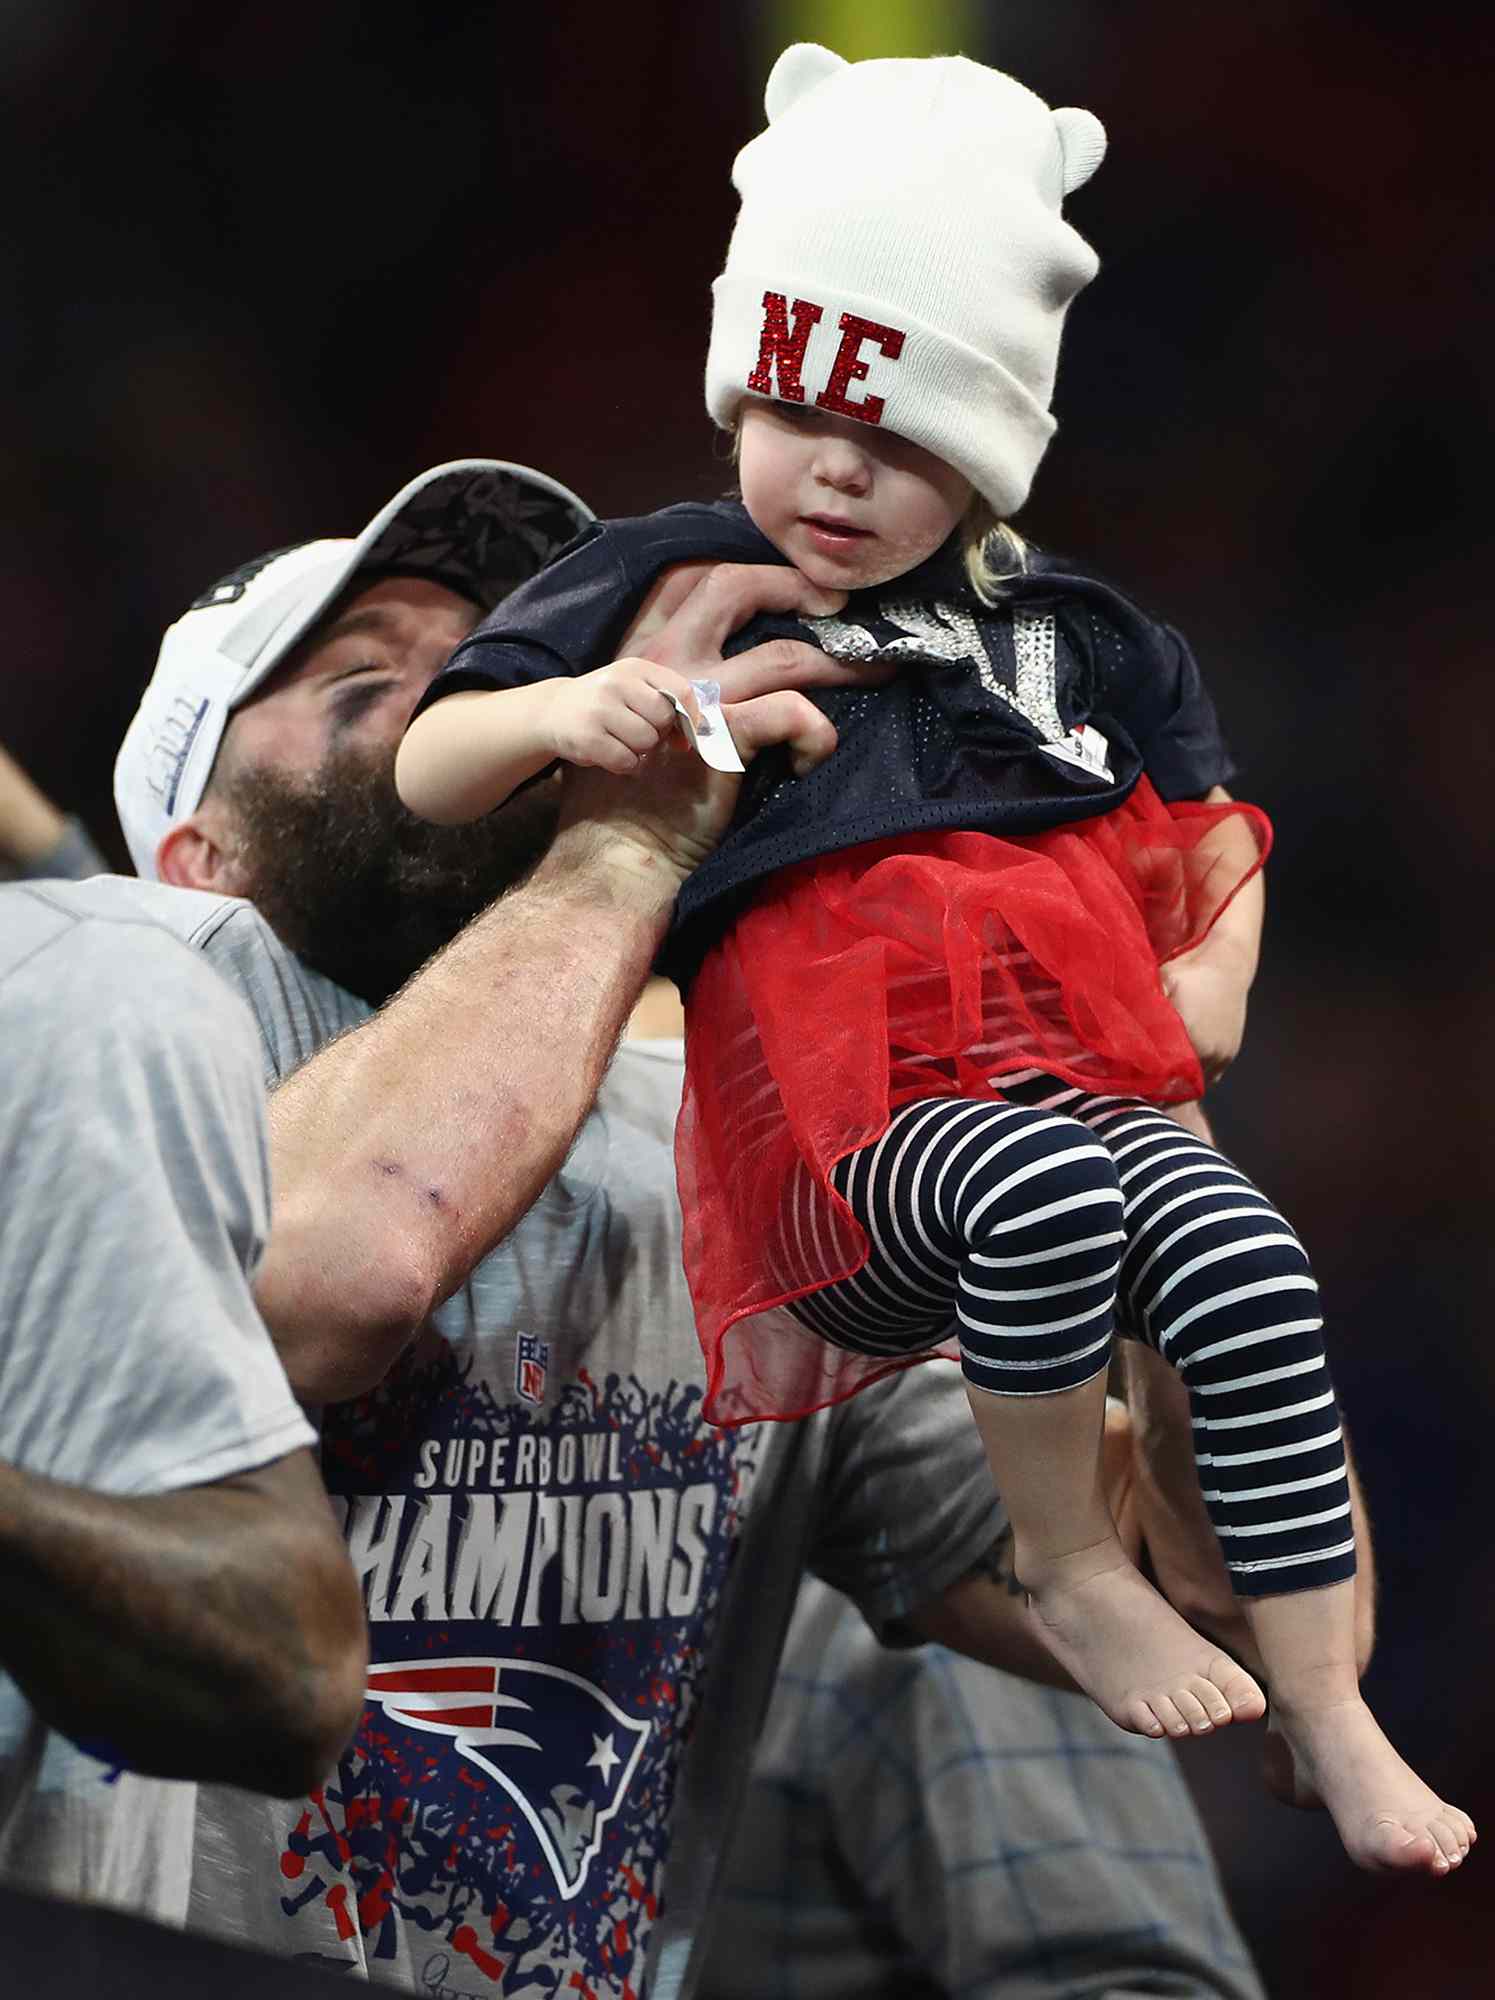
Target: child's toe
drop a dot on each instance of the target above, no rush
(1189, 1701)
(1141, 1719)
(1247, 1702)
(1394, 1844)
(1166, 1710)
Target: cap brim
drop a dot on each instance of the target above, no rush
(478, 525)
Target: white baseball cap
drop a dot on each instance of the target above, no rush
(479, 525)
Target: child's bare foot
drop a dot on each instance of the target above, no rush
(1131, 1652)
(1385, 1815)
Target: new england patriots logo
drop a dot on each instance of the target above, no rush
(562, 1750)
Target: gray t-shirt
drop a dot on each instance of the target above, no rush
(577, 1591)
(134, 1208)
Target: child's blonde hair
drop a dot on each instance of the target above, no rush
(993, 551)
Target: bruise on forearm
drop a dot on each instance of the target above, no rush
(410, 1147)
(214, 1632)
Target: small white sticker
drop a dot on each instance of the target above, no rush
(1086, 747)
(710, 738)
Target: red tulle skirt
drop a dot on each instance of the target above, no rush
(926, 966)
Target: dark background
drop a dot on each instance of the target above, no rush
(263, 262)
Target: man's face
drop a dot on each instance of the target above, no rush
(355, 680)
(315, 833)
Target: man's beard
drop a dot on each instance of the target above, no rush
(357, 886)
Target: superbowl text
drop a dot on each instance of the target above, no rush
(575, 1458)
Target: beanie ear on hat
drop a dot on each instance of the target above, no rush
(797, 70)
(1082, 140)
(900, 257)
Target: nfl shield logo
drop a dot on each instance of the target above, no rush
(531, 1359)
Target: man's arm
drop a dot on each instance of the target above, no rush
(213, 1633)
(408, 1148)
(170, 1577)
(30, 825)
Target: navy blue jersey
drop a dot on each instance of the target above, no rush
(979, 734)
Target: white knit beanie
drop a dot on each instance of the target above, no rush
(899, 256)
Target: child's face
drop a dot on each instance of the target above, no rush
(848, 503)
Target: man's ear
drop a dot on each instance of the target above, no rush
(195, 855)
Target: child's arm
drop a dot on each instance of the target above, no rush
(467, 753)
(1209, 985)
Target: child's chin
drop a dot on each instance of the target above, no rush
(855, 570)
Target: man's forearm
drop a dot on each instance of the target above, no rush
(30, 825)
(210, 1633)
(985, 1613)
(985, 1616)
(406, 1150)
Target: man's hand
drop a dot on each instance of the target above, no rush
(1208, 991)
(1168, 1513)
(675, 809)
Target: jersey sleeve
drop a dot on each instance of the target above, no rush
(1167, 711)
(573, 615)
(560, 622)
(132, 1357)
(907, 1506)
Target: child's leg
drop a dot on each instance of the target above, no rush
(1218, 1283)
(1013, 1217)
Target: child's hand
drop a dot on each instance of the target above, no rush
(1209, 994)
(614, 716)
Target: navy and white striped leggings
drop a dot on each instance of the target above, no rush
(1037, 1219)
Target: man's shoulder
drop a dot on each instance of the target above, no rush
(40, 911)
(107, 942)
(96, 989)
(295, 1009)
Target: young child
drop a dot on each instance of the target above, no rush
(937, 987)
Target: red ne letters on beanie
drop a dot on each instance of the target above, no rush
(781, 354)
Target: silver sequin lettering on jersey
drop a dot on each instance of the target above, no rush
(1033, 642)
(945, 633)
